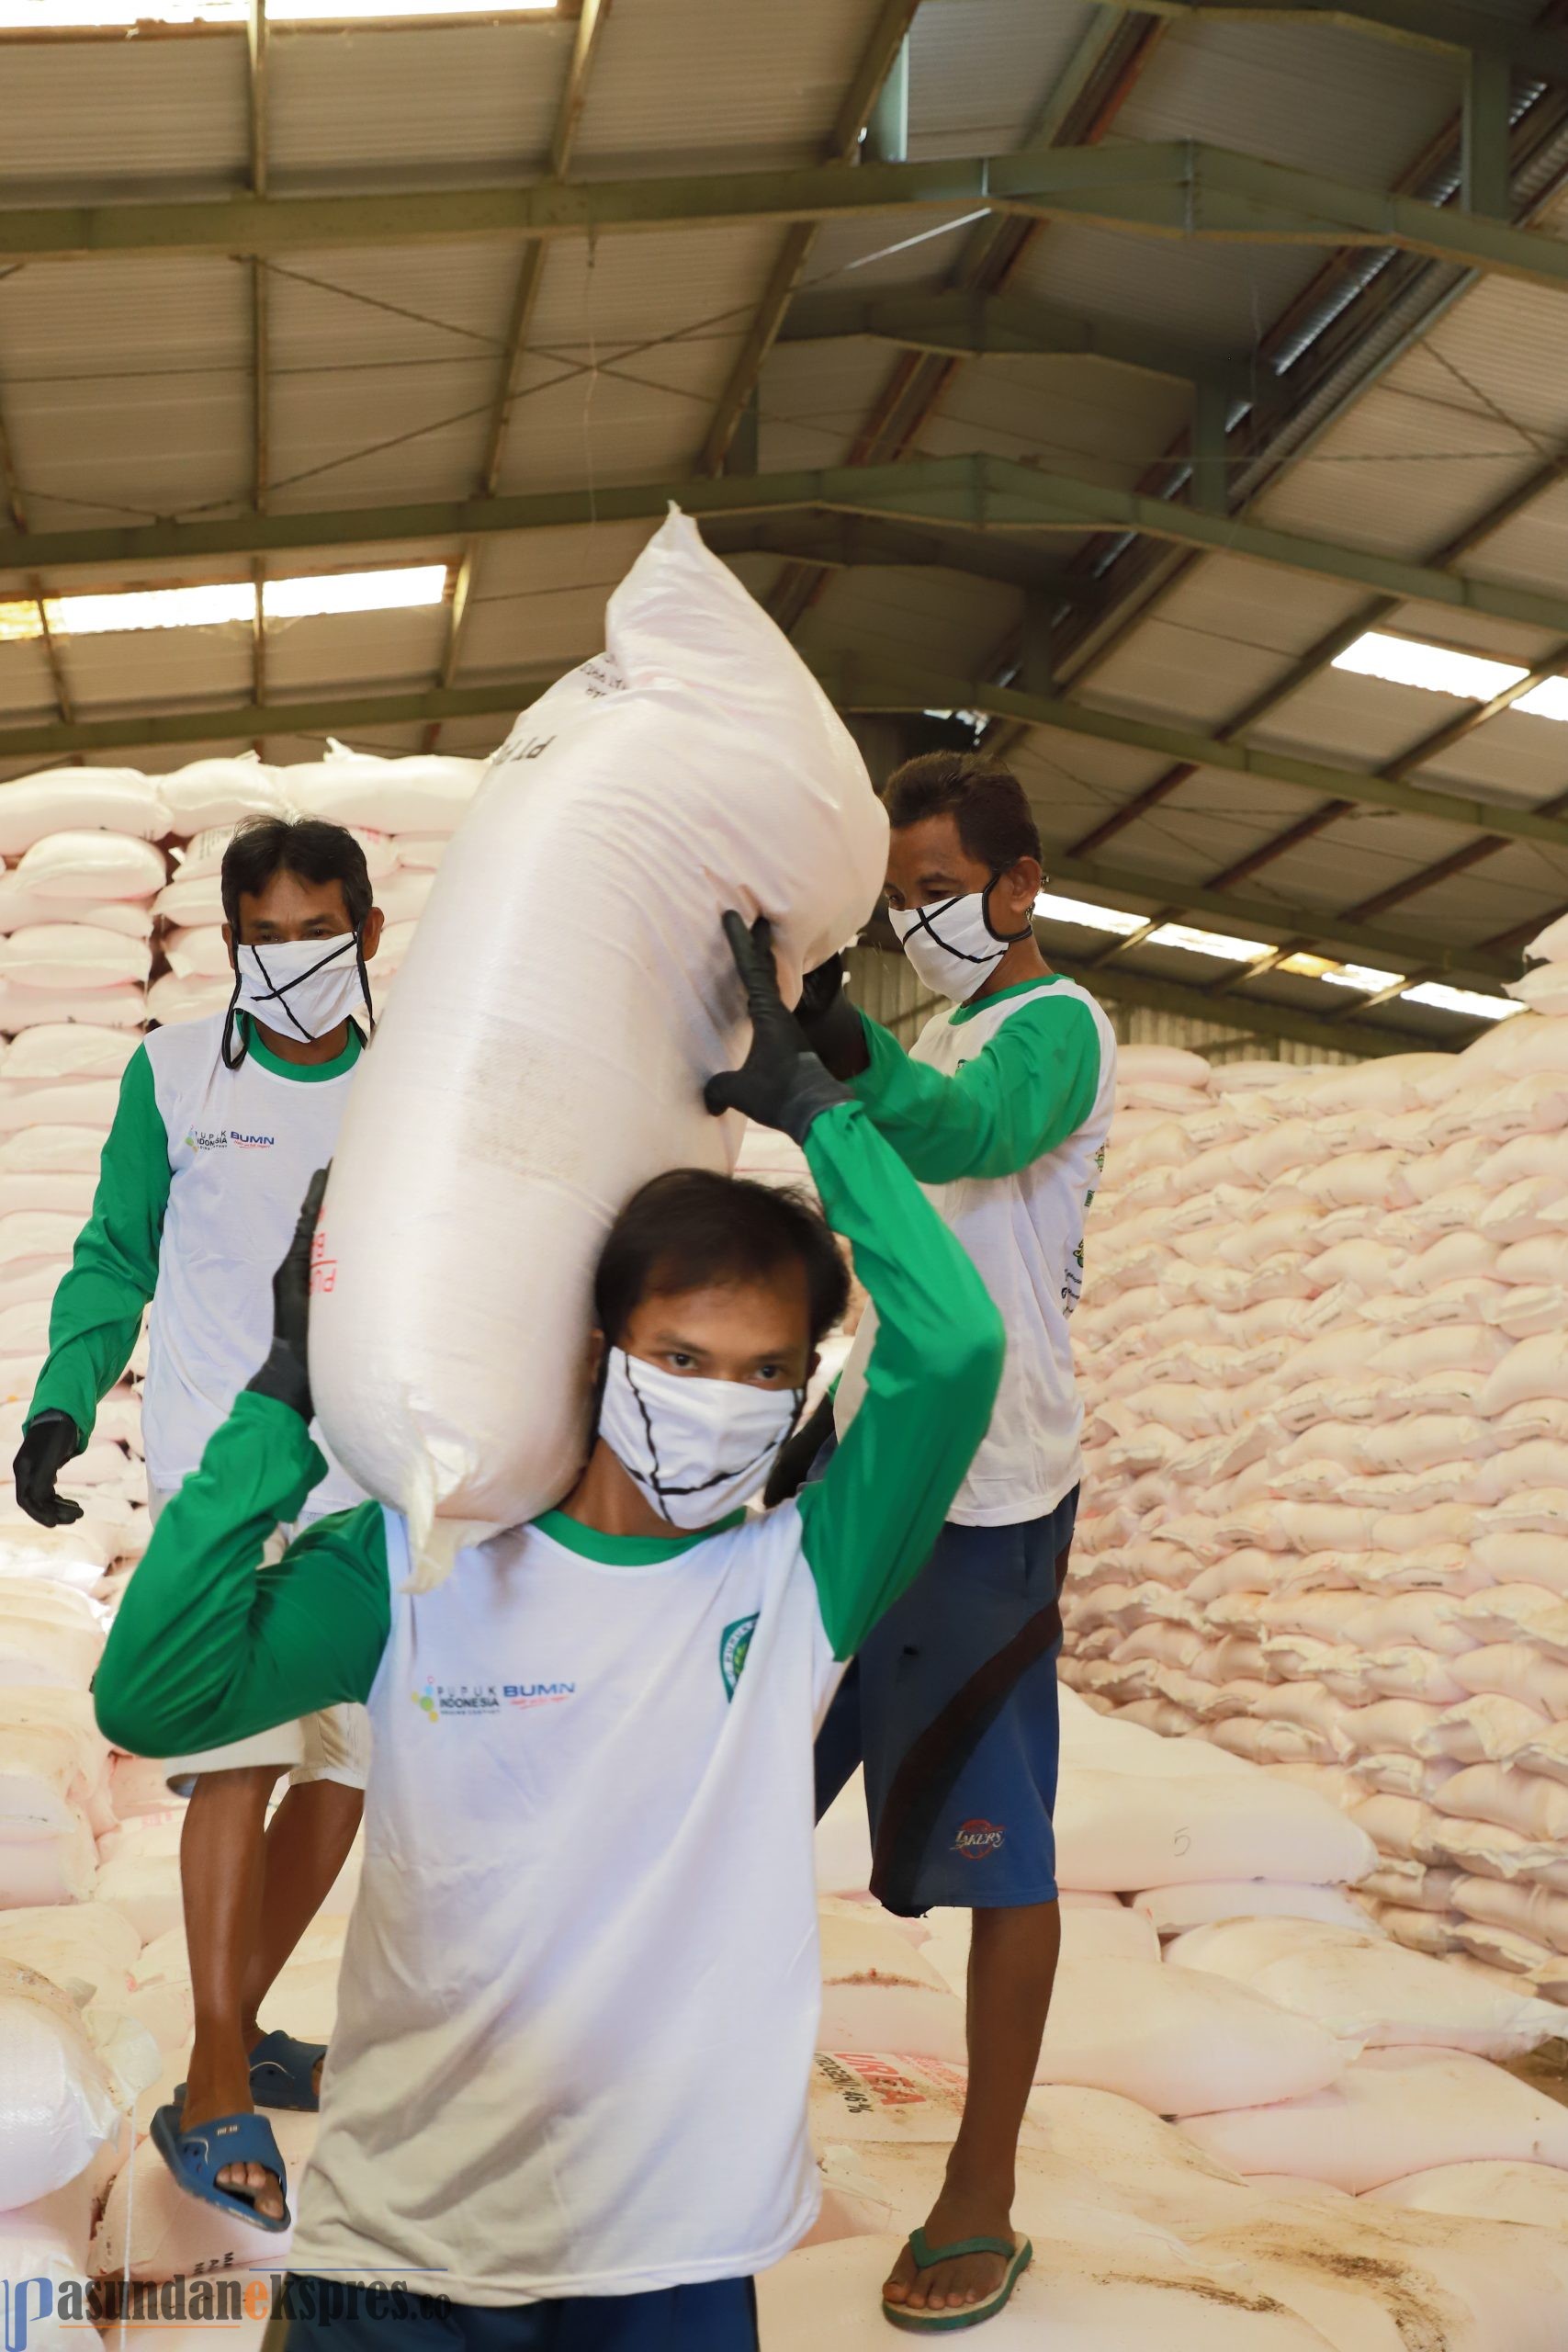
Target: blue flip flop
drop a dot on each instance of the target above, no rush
(281, 2071)
(196, 2157)
(1018, 2255)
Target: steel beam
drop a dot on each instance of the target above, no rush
(1178, 189)
(857, 685)
(974, 493)
(967, 324)
(858, 542)
(1289, 927)
(1247, 1012)
(1426, 24)
(880, 59)
(573, 98)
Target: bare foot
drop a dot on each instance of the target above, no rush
(214, 2091)
(958, 2213)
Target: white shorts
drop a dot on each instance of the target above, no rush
(334, 1744)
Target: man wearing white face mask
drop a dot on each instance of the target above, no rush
(1000, 1108)
(220, 1125)
(567, 2086)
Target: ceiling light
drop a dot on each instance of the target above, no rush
(1469, 677)
(1050, 908)
(221, 602)
(1365, 977)
(86, 16)
(1469, 1001)
(1218, 944)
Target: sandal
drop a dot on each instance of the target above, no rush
(196, 2157)
(1017, 2254)
(282, 2071)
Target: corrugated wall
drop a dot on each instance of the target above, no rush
(886, 986)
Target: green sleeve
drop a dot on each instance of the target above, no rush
(99, 1306)
(930, 1385)
(206, 1648)
(1030, 1086)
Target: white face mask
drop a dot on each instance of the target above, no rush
(952, 945)
(696, 1449)
(302, 988)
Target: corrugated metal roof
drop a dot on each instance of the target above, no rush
(1315, 96)
(99, 119)
(1402, 475)
(982, 71)
(125, 385)
(694, 79)
(384, 106)
(908, 617)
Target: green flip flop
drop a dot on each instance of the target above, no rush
(1018, 2258)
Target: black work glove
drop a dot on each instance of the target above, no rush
(781, 1083)
(832, 1025)
(50, 1441)
(286, 1375)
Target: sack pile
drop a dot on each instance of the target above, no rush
(110, 918)
(1291, 2134)
(1324, 1353)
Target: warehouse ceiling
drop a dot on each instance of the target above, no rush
(1179, 394)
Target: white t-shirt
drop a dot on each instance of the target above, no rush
(242, 1146)
(1025, 1233)
(538, 2085)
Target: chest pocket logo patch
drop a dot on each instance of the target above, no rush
(734, 1644)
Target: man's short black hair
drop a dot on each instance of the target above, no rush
(691, 1228)
(308, 846)
(989, 805)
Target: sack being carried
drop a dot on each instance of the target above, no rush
(568, 993)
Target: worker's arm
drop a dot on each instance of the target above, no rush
(205, 1650)
(1025, 1092)
(99, 1306)
(930, 1383)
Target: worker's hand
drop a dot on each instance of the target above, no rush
(286, 1375)
(781, 1083)
(832, 1025)
(50, 1439)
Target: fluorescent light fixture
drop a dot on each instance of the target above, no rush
(1051, 908)
(1403, 661)
(1365, 977)
(1474, 1006)
(87, 15)
(224, 603)
(1219, 943)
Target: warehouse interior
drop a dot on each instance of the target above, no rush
(1165, 402)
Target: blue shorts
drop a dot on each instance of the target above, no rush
(331, 2316)
(952, 1707)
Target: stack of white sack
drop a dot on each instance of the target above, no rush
(1158, 1082)
(1344, 2145)
(82, 870)
(1324, 1346)
(403, 812)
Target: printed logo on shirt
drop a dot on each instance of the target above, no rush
(201, 1139)
(537, 1695)
(251, 1143)
(734, 1645)
(976, 1839)
(444, 1701)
